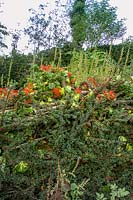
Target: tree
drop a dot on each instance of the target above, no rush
(50, 29)
(59, 24)
(37, 30)
(3, 32)
(103, 26)
(15, 39)
(78, 23)
(95, 23)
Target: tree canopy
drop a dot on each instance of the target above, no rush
(95, 23)
(78, 22)
(37, 29)
(3, 32)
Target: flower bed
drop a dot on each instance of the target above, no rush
(50, 84)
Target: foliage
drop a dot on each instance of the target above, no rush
(79, 63)
(121, 53)
(96, 63)
(48, 30)
(78, 22)
(65, 132)
(37, 30)
(15, 38)
(103, 25)
(115, 192)
(57, 56)
(50, 149)
(97, 22)
(20, 68)
(59, 24)
(3, 32)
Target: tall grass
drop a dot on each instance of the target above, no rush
(96, 64)
(6, 99)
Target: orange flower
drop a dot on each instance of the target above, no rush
(11, 93)
(29, 89)
(61, 69)
(109, 95)
(99, 97)
(92, 81)
(112, 95)
(14, 93)
(3, 92)
(72, 81)
(30, 85)
(69, 74)
(78, 91)
(56, 92)
(45, 68)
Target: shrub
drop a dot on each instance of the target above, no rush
(71, 147)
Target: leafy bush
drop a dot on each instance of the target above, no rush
(115, 192)
(20, 65)
(70, 147)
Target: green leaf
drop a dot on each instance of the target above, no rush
(74, 186)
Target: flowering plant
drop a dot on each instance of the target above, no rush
(87, 127)
(48, 84)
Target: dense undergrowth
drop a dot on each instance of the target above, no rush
(66, 133)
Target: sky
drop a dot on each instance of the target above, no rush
(15, 13)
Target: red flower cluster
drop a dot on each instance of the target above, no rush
(78, 90)
(92, 81)
(29, 89)
(69, 74)
(109, 95)
(14, 93)
(11, 93)
(99, 97)
(72, 79)
(57, 92)
(3, 92)
(45, 68)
